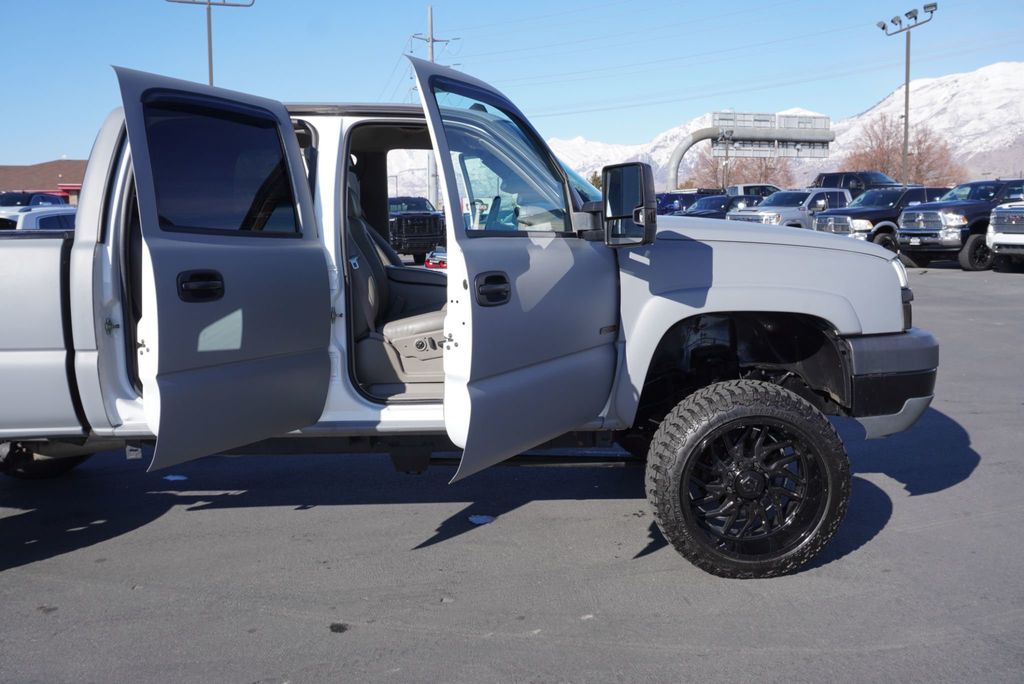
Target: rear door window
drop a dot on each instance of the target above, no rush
(218, 172)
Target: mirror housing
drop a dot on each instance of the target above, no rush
(630, 212)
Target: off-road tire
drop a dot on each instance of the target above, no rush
(683, 436)
(26, 465)
(975, 254)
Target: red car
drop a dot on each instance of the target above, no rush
(437, 259)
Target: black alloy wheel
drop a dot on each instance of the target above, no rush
(747, 479)
(976, 255)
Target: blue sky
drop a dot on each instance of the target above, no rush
(615, 71)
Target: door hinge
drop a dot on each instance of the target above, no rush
(334, 314)
(110, 326)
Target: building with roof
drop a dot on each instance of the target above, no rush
(60, 177)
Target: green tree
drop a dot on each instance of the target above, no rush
(595, 180)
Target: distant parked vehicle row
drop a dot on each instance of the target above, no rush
(855, 182)
(793, 208)
(955, 226)
(1005, 234)
(415, 227)
(40, 218)
(874, 215)
(680, 200)
(13, 203)
(758, 189)
(718, 206)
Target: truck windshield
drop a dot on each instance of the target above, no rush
(878, 178)
(712, 203)
(971, 191)
(15, 199)
(877, 198)
(785, 199)
(400, 205)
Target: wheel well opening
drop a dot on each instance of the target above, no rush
(799, 352)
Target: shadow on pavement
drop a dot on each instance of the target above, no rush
(108, 497)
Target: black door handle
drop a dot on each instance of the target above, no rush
(493, 288)
(200, 286)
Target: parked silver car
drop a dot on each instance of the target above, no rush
(793, 208)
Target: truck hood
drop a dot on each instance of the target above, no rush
(863, 212)
(958, 206)
(712, 230)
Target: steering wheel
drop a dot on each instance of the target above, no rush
(492, 213)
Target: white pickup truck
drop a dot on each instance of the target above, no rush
(227, 289)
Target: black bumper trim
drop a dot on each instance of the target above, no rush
(887, 393)
(905, 352)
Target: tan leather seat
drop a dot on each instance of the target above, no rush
(394, 343)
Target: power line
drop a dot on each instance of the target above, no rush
(596, 72)
(536, 17)
(828, 74)
(602, 39)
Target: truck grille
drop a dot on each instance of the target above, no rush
(407, 226)
(1008, 221)
(920, 221)
(832, 224)
(750, 218)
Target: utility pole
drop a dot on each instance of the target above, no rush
(209, 22)
(897, 22)
(430, 39)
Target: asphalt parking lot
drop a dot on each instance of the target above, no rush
(321, 568)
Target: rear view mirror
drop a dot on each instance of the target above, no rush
(630, 207)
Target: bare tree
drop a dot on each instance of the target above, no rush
(710, 172)
(881, 149)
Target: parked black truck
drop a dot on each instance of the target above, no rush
(954, 227)
(857, 182)
(414, 226)
(874, 216)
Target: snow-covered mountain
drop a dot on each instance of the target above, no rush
(979, 113)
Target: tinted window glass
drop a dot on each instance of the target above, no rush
(216, 171)
(785, 199)
(830, 180)
(836, 199)
(1012, 189)
(879, 178)
(935, 193)
(983, 190)
(52, 222)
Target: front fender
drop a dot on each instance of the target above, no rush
(674, 280)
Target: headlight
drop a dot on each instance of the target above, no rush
(771, 218)
(861, 224)
(901, 272)
(991, 219)
(951, 220)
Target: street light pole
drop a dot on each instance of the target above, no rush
(209, 22)
(430, 39)
(897, 27)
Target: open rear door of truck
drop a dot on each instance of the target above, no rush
(234, 333)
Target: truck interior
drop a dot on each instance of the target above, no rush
(396, 321)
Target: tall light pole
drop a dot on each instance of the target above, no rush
(430, 39)
(897, 27)
(210, 4)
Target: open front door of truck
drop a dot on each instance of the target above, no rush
(235, 309)
(533, 307)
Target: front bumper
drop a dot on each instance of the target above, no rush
(929, 241)
(1006, 243)
(893, 379)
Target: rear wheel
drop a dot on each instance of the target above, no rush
(975, 255)
(747, 479)
(27, 465)
(887, 240)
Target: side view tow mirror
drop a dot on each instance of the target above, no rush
(630, 207)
